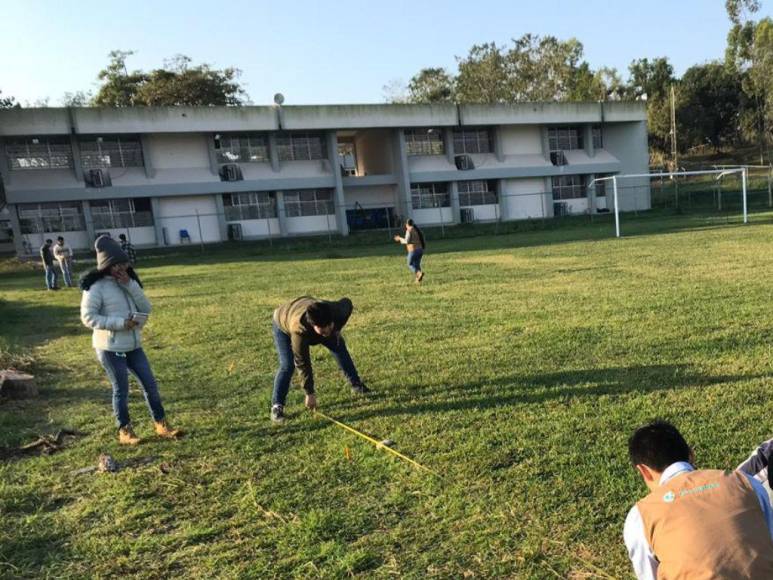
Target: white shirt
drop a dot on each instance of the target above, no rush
(645, 564)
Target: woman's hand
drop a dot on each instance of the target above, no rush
(122, 276)
(311, 402)
(397, 238)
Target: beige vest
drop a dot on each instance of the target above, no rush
(707, 524)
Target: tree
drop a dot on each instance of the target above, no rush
(77, 99)
(652, 80)
(176, 83)
(395, 92)
(8, 102)
(431, 85)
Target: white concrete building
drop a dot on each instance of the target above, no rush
(167, 176)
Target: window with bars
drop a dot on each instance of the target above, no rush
(309, 202)
(477, 192)
(598, 138)
(424, 142)
(241, 148)
(601, 186)
(39, 153)
(253, 205)
(429, 195)
(472, 141)
(38, 218)
(569, 187)
(121, 213)
(107, 152)
(300, 146)
(564, 138)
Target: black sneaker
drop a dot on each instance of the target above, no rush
(360, 389)
(278, 414)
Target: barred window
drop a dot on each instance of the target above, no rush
(39, 153)
(38, 218)
(477, 192)
(121, 213)
(429, 195)
(472, 141)
(241, 148)
(253, 205)
(598, 137)
(601, 186)
(106, 152)
(569, 187)
(308, 202)
(300, 146)
(564, 138)
(424, 142)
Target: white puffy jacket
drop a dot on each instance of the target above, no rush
(106, 306)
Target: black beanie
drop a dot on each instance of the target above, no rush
(109, 253)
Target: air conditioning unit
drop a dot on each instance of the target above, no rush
(97, 178)
(467, 215)
(464, 162)
(231, 172)
(235, 232)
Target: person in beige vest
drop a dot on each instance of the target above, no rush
(695, 523)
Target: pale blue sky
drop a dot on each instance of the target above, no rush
(340, 51)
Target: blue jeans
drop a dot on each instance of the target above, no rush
(50, 277)
(414, 260)
(66, 271)
(117, 365)
(337, 346)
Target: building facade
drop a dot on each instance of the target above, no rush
(168, 176)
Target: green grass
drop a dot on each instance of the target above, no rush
(517, 371)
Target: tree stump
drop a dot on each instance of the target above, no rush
(17, 385)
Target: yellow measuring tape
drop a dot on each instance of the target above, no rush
(378, 444)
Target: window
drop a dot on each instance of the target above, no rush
(106, 152)
(477, 193)
(241, 148)
(306, 202)
(424, 142)
(38, 218)
(601, 186)
(252, 205)
(39, 153)
(564, 138)
(121, 213)
(598, 139)
(569, 187)
(429, 195)
(300, 146)
(472, 141)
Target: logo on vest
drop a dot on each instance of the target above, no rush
(669, 497)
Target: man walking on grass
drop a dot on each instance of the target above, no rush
(695, 523)
(63, 254)
(299, 324)
(47, 256)
(128, 249)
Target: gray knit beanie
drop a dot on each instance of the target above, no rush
(109, 252)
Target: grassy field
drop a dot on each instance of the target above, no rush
(517, 371)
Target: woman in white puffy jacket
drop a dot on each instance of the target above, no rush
(115, 307)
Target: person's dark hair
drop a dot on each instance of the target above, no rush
(410, 222)
(122, 237)
(49, 241)
(88, 278)
(657, 445)
(319, 314)
(60, 239)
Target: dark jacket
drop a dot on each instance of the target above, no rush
(47, 255)
(291, 319)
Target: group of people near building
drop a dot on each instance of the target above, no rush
(694, 523)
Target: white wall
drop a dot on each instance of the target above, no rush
(176, 151)
(575, 206)
(78, 240)
(311, 224)
(523, 198)
(144, 236)
(628, 142)
(521, 140)
(484, 213)
(178, 213)
(371, 196)
(432, 216)
(258, 228)
(374, 152)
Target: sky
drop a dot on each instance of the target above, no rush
(336, 51)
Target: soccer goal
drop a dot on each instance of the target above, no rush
(705, 195)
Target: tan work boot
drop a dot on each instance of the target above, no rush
(164, 430)
(126, 436)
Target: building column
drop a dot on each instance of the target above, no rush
(545, 144)
(591, 194)
(448, 144)
(214, 167)
(158, 226)
(220, 209)
(89, 220)
(16, 228)
(146, 161)
(273, 153)
(496, 137)
(547, 204)
(76, 158)
(340, 202)
(5, 168)
(587, 140)
(281, 213)
(502, 199)
(453, 192)
(402, 172)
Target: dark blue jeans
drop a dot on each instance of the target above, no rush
(414, 260)
(336, 345)
(50, 277)
(117, 365)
